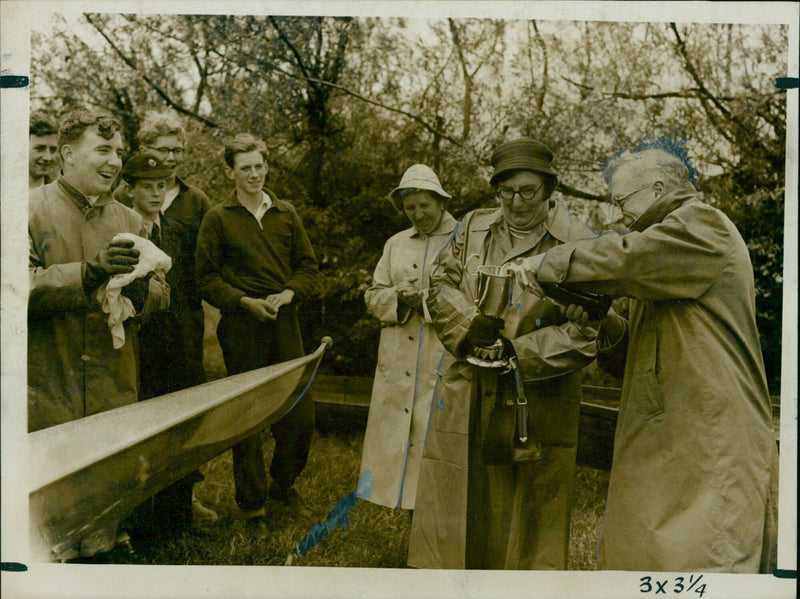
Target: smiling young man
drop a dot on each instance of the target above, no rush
(73, 368)
(43, 149)
(254, 262)
(162, 134)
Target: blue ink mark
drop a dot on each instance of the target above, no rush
(337, 516)
(519, 305)
(538, 322)
(11, 81)
(674, 143)
(787, 82)
(13, 567)
(440, 407)
(784, 573)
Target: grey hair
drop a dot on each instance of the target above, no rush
(654, 162)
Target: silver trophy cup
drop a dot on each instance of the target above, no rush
(493, 296)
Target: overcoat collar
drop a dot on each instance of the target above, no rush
(446, 225)
(559, 224)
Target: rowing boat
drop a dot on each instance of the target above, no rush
(89, 474)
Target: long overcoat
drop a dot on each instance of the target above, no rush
(693, 483)
(500, 517)
(73, 368)
(409, 356)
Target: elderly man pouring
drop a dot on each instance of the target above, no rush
(694, 479)
(475, 509)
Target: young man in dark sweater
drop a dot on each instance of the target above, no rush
(254, 262)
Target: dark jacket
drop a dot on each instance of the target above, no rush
(164, 365)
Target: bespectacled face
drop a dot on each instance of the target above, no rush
(631, 195)
(523, 198)
(92, 163)
(148, 195)
(423, 211)
(42, 157)
(249, 172)
(169, 149)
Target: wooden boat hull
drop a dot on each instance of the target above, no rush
(91, 473)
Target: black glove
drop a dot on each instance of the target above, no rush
(118, 257)
(483, 330)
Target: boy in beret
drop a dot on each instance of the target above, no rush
(163, 356)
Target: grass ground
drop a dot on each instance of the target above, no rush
(375, 537)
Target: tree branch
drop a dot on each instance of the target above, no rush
(298, 59)
(706, 92)
(686, 93)
(358, 96)
(543, 87)
(164, 95)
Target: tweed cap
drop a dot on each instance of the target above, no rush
(417, 176)
(522, 154)
(145, 166)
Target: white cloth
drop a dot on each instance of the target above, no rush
(118, 307)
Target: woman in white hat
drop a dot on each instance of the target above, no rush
(410, 352)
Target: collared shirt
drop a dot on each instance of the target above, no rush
(259, 211)
(148, 225)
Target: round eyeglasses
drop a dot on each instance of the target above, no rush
(527, 193)
(167, 151)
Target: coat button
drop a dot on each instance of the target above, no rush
(406, 410)
(85, 358)
(408, 373)
(410, 338)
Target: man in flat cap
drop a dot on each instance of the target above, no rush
(514, 515)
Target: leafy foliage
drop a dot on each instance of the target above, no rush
(347, 104)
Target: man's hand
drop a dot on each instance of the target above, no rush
(408, 294)
(525, 273)
(610, 322)
(276, 300)
(118, 258)
(483, 330)
(259, 308)
(158, 294)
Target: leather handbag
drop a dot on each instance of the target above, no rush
(508, 438)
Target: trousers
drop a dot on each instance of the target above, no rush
(247, 344)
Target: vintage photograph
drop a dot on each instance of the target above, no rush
(440, 290)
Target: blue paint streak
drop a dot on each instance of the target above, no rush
(337, 516)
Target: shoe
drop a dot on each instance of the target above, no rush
(290, 499)
(256, 526)
(202, 512)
